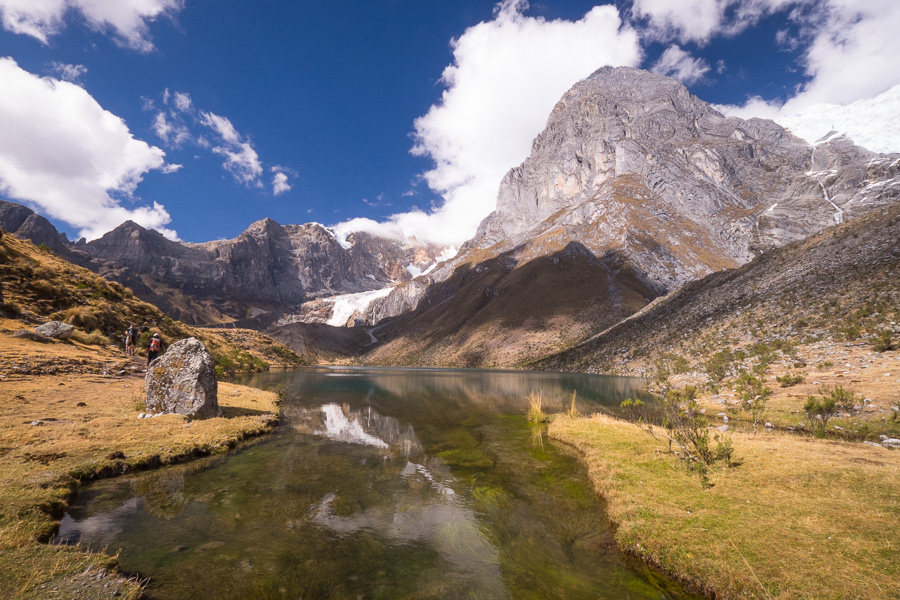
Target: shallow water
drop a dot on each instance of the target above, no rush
(380, 483)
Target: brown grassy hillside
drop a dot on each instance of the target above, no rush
(499, 313)
(39, 286)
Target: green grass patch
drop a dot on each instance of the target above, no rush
(766, 528)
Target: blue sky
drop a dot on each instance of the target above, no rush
(395, 116)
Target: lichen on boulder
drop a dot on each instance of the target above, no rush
(183, 381)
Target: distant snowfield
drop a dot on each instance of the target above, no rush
(872, 123)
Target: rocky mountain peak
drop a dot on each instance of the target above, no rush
(631, 165)
(630, 161)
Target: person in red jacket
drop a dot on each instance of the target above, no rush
(153, 348)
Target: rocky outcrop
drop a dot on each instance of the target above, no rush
(56, 330)
(183, 381)
(24, 223)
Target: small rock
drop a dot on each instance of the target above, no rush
(723, 428)
(769, 426)
(37, 422)
(882, 437)
(868, 443)
(141, 416)
(891, 443)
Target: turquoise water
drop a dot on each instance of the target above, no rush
(380, 483)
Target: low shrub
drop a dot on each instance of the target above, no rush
(94, 338)
(634, 410)
(884, 343)
(83, 317)
(790, 379)
(753, 395)
(688, 435)
(10, 309)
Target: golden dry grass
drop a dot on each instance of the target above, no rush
(87, 427)
(797, 519)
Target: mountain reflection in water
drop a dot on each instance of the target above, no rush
(378, 484)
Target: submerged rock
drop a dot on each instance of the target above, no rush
(183, 381)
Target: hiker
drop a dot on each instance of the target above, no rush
(130, 339)
(153, 348)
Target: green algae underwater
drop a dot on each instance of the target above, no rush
(379, 484)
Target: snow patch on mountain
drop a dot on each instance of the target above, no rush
(346, 304)
(872, 123)
(448, 253)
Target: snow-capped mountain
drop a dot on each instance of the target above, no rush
(873, 123)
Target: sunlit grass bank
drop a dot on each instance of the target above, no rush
(797, 518)
(58, 431)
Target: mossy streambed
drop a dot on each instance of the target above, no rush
(380, 483)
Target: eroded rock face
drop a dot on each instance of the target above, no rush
(631, 163)
(183, 381)
(56, 330)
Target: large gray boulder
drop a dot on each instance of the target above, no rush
(56, 330)
(183, 381)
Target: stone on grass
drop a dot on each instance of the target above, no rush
(27, 334)
(56, 330)
(891, 443)
(183, 381)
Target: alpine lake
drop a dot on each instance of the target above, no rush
(380, 484)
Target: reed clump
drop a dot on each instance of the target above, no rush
(535, 410)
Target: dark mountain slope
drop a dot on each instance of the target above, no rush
(843, 283)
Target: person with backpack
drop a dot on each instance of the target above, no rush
(153, 348)
(130, 339)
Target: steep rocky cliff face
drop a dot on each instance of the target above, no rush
(267, 271)
(26, 224)
(632, 162)
(631, 165)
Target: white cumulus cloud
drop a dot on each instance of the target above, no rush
(222, 126)
(849, 55)
(67, 72)
(280, 183)
(178, 123)
(677, 63)
(700, 20)
(127, 19)
(506, 76)
(62, 153)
